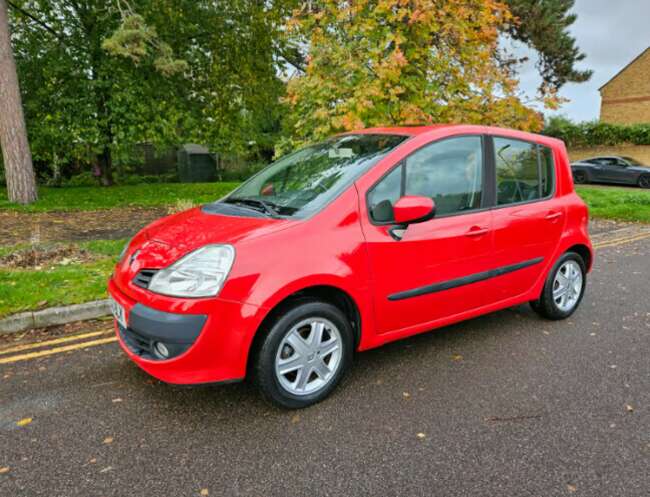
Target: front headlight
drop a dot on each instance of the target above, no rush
(199, 274)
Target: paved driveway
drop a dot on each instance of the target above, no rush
(503, 405)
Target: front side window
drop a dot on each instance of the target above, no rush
(517, 171)
(302, 183)
(450, 172)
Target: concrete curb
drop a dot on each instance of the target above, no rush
(53, 316)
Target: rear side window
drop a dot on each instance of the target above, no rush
(548, 168)
(524, 171)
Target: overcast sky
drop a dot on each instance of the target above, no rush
(611, 34)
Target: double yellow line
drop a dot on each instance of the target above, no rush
(622, 240)
(28, 351)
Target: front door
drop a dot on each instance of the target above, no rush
(437, 269)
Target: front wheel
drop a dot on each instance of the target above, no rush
(304, 355)
(644, 181)
(564, 288)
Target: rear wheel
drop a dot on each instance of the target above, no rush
(644, 181)
(304, 355)
(564, 288)
(580, 177)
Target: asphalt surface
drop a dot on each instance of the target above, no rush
(503, 405)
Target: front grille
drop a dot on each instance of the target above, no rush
(138, 344)
(143, 278)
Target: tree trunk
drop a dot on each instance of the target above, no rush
(21, 183)
(105, 163)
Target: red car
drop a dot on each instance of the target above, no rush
(342, 246)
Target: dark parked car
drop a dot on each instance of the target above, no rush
(619, 170)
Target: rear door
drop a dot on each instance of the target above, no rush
(528, 218)
(431, 273)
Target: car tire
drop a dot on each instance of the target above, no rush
(580, 178)
(644, 181)
(557, 301)
(293, 340)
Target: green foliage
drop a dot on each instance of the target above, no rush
(544, 26)
(162, 72)
(620, 203)
(93, 198)
(389, 62)
(591, 134)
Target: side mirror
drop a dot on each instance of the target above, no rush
(411, 210)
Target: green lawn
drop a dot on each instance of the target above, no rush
(29, 289)
(623, 204)
(92, 198)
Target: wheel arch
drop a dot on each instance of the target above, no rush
(321, 292)
(584, 252)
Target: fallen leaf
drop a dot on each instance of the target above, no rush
(4, 469)
(421, 435)
(24, 422)
(204, 492)
(106, 469)
(457, 357)
(108, 440)
(406, 395)
(295, 418)
(629, 408)
(571, 488)
(116, 400)
(93, 461)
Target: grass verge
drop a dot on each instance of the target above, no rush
(58, 284)
(84, 198)
(623, 204)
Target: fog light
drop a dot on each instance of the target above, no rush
(161, 350)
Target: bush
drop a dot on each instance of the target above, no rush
(593, 134)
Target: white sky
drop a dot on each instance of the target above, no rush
(611, 34)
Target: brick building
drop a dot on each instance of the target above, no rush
(626, 97)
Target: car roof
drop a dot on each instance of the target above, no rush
(469, 128)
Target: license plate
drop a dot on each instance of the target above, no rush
(118, 312)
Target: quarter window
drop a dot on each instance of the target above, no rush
(524, 171)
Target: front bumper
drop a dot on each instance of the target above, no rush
(208, 344)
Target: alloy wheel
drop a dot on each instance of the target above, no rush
(567, 286)
(309, 356)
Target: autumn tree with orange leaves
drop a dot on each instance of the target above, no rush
(395, 62)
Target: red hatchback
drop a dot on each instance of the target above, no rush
(346, 245)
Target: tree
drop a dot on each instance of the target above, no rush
(21, 183)
(543, 26)
(98, 77)
(383, 62)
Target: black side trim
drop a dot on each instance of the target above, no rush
(465, 280)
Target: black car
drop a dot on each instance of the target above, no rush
(619, 170)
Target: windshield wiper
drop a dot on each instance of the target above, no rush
(255, 202)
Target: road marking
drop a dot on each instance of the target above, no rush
(621, 241)
(37, 345)
(56, 350)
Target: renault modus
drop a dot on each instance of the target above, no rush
(348, 244)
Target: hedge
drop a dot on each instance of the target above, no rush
(590, 134)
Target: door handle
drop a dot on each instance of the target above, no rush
(477, 231)
(552, 216)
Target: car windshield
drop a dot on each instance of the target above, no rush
(303, 182)
(632, 161)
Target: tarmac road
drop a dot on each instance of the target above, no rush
(503, 405)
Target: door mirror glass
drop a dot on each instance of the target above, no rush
(413, 209)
